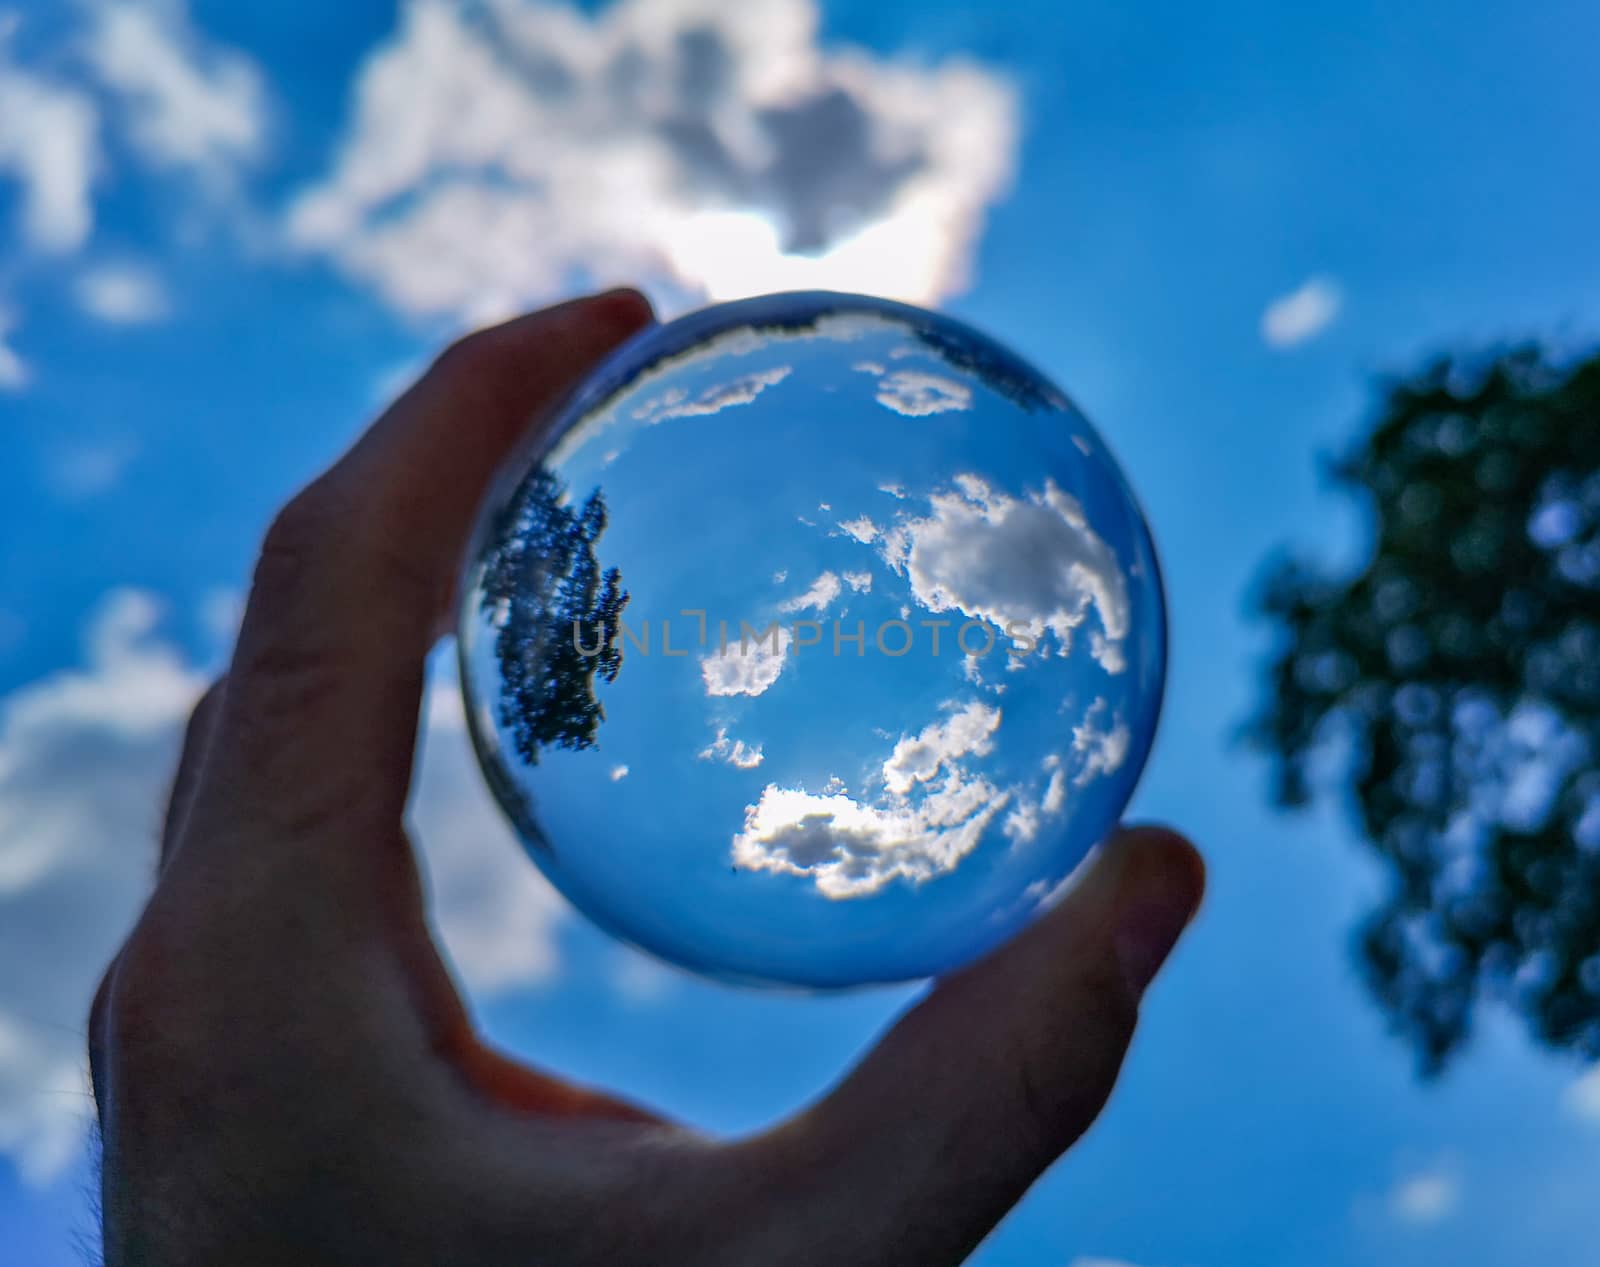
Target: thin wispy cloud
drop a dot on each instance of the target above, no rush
(123, 294)
(735, 752)
(81, 470)
(1583, 1097)
(1303, 313)
(14, 372)
(1425, 1198)
(818, 598)
(1100, 1262)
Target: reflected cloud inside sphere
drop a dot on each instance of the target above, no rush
(861, 608)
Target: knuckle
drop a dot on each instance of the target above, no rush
(134, 1004)
(471, 362)
(297, 533)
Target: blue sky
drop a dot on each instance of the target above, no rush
(1213, 225)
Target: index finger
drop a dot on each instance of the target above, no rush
(321, 709)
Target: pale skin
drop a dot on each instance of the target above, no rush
(285, 1071)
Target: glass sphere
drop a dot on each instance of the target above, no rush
(817, 642)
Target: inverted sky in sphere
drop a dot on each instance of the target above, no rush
(749, 788)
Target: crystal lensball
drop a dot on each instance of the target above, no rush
(817, 642)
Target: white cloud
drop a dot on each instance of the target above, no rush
(917, 393)
(860, 582)
(86, 755)
(818, 598)
(80, 470)
(734, 751)
(618, 773)
(748, 667)
(922, 827)
(717, 147)
(1033, 561)
(861, 528)
(1055, 792)
(641, 979)
(1100, 750)
(676, 402)
(1583, 1097)
(123, 294)
(917, 760)
(1425, 1198)
(1023, 822)
(189, 103)
(48, 142)
(1302, 314)
(14, 372)
(850, 849)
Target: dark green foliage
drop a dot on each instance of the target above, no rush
(1457, 682)
(543, 585)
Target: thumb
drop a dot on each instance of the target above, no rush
(923, 1148)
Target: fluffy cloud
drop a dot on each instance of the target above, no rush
(860, 582)
(188, 103)
(123, 294)
(748, 667)
(922, 827)
(85, 759)
(1302, 314)
(917, 393)
(941, 744)
(850, 849)
(818, 598)
(1424, 1198)
(1034, 561)
(48, 142)
(734, 751)
(494, 153)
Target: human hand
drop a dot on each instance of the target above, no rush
(285, 1071)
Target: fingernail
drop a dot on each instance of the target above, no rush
(1149, 925)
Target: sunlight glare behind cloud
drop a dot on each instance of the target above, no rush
(720, 149)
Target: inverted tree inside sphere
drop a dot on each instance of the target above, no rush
(817, 642)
